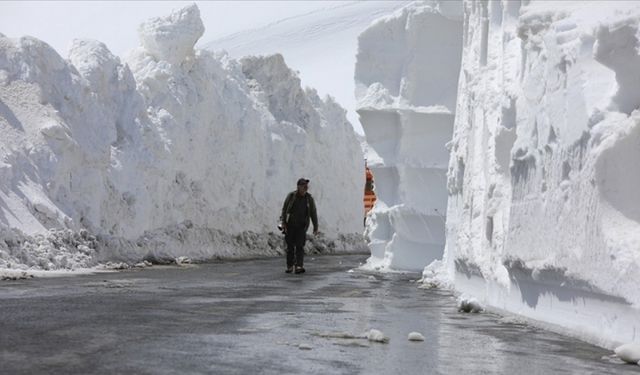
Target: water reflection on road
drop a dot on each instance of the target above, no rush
(251, 317)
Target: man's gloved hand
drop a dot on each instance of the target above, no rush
(282, 227)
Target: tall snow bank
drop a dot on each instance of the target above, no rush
(543, 214)
(177, 152)
(406, 85)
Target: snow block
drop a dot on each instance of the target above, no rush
(172, 38)
(406, 85)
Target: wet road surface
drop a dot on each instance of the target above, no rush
(250, 317)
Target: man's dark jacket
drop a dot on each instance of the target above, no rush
(311, 210)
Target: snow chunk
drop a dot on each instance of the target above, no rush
(377, 336)
(304, 347)
(172, 38)
(182, 260)
(629, 353)
(469, 305)
(435, 275)
(415, 336)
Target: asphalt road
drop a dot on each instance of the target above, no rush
(250, 317)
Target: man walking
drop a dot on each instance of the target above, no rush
(299, 207)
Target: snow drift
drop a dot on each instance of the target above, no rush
(543, 214)
(174, 152)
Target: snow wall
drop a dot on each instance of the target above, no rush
(177, 152)
(543, 211)
(406, 85)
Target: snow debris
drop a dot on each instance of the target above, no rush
(435, 275)
(629, 353)
(304, 347)
(115, 266)
(182, 260)
(469, 305)
(612, 359)
(372, 335)
(53, 250)
(376, 336)
(415, 336)
(143, 264)
(14, 275)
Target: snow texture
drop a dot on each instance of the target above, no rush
(406, 102)
(543, 139)
(174, 152)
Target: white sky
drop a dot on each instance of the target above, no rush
(115, 23)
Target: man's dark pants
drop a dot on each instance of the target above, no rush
(295, 239)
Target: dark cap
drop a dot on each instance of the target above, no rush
(302, 181)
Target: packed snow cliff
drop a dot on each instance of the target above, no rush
(406, 86)
(543, 209)
(172, 152)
